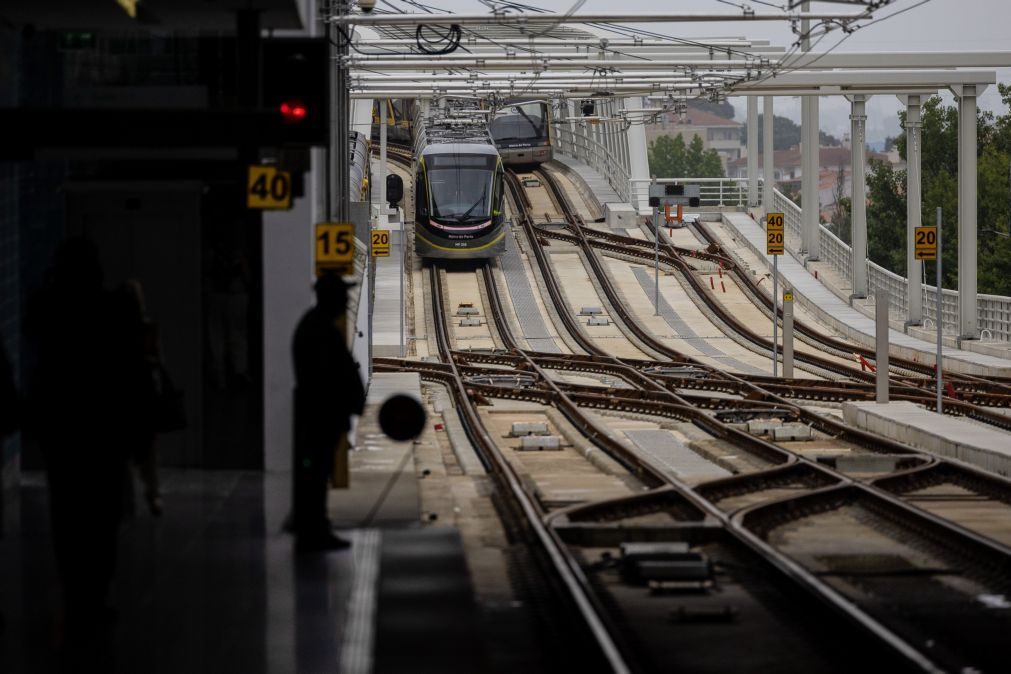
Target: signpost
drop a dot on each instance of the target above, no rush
(380, 243)
(268, 188)
(788, 334)
(775, 236)
(927, 246)
(335, 247)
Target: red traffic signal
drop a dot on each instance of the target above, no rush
(293, 111)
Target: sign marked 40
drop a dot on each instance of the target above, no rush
(268, 188)
(775, 234)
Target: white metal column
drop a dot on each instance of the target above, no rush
(768, 155)
(967, 235)
(752, 151)
(638, 161)
(914, 288)
(858, 221)
(810, 162)
(384, 110)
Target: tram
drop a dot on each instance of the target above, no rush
(459, 185)
(522, 132)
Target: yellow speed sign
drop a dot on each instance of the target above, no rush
(775, 234)
(380, 243)
(335, 247)
(266, 187)
(925, 243)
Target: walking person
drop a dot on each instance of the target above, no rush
(328, 391)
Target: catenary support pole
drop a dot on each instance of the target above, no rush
(940, 320)
(768, 156)
(810, 202)
(858, 258)
(881, 344)
(967, 235)
(914, 285)
(384, 110)
(752, 151)
(339, 154)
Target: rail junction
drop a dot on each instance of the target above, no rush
(673, 490)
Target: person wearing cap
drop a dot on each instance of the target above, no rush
(328, 391)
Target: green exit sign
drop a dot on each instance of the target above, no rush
(78, 39)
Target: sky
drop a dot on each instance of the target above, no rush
(934, 26)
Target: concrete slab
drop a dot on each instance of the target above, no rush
(834, 312)
(952, 437)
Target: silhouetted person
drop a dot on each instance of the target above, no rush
(88, 400)
(9, 407)
(328, 390)
(9, 420)
(144, 455)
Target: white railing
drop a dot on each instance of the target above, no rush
(713, 192)
(589, 151)
(994, 317)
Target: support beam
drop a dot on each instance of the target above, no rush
(768, 155)
(858, 222)
(752, 151)
(967, 234)
(914, 285)
(810, 161)
(638, 161)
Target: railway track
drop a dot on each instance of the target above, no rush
(920, 517)
(981, 395)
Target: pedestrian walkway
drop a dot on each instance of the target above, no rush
(952, 437)
(834, 312)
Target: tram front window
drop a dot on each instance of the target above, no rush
(461, 187)
(519, 123)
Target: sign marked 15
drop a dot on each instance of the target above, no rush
(335, 247)
(268, 188)
(925, 243)
(774, 234)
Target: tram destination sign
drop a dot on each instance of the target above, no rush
(925, 243)
(774, 234)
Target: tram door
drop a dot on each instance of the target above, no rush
(150, 232)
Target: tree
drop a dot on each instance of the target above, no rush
(669, 158)
(842, 214)
(886, 215)
(785, 134)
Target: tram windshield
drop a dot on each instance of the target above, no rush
(460, 186)
(522, 122)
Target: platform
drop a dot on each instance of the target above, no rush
(386, 318)
(851, 323)
(951, 437)
(596, 186)
(214, 585)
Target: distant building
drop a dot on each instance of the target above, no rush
(717, 133)
(786, 168)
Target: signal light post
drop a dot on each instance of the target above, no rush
(667, 195)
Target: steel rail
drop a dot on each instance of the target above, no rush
(962, 382)
(568, 571)
(583, 235)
